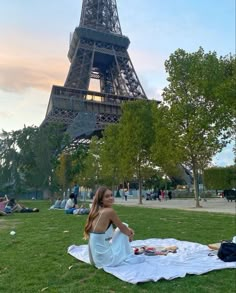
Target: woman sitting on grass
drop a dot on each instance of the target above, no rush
(56, 205)
(107, 247)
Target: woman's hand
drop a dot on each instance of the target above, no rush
(131, 234)
(122, 226)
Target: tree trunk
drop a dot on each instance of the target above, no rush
(196, 187)
(140, 183)
(140, 191)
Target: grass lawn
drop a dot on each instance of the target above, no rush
(36, 259)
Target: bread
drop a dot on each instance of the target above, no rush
(214, 246)
(171, 248)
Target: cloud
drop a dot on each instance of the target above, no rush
(5, 115)
(30, 60)
(18, 75)
(27, 109)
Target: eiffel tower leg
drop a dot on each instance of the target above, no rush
(120, 82)
(81, 66)
(132, 82)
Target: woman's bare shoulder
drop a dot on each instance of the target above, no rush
(109, 211)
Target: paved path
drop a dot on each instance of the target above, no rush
(216, 205)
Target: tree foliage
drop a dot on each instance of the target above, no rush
(110, 154)
(90, 175)
(63, 171)
(220, 177)
(135, 140)
(28, 157)
(193, 124)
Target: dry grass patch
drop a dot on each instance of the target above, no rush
(6, 224)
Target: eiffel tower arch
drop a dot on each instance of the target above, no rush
(98, 51)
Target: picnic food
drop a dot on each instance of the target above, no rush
(155, 250)
(214, 246)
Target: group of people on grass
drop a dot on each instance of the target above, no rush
(70, 205)
(59, 204)
(10, 206)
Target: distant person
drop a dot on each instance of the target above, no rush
(70, 204)
(162, 194)
(169, 194)
(148, 196)
(159, 194)
(13, 206)
(126, 194)
(118, 193)
(56, 205)
(76, 192)
(3, 202)
(82, 210)
(63, 203)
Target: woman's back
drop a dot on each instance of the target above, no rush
(102, 221)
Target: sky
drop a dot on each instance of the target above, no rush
(35, 40)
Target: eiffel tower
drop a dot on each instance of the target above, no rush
(98, 51)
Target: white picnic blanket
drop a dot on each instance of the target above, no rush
(191, 258)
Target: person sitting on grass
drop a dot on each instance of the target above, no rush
(3, 203)
(56, 205)
(70, 204)
(107, 247)
(63, 204)
(12, 206)
(82, 210)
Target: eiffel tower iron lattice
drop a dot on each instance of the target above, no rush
(98, 51)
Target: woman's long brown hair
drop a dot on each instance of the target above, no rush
(97, 203)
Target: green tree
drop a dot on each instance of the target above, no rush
(11, 179)
(110, 154)
(46, 145)
(63, 171)
(135, 139)
(78, 157)
(90, 175)
(28, 157)
(220, 177)
(193, 124)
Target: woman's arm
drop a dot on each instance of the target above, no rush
(123, 228)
